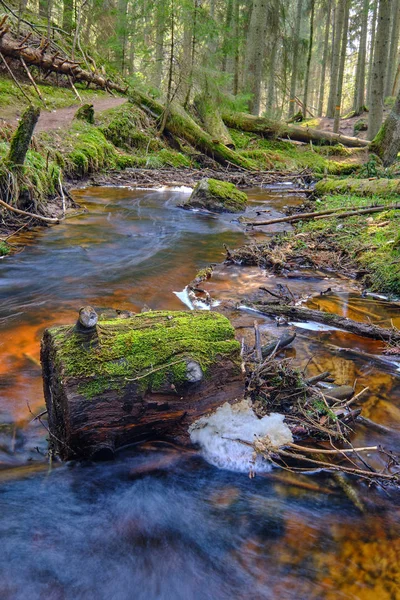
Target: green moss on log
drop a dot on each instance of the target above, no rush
(85, 113)
(359, 187)
(154, 347)
(22, 137)
(217, 196)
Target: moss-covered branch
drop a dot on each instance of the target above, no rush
(180, 124)
(359, 187)
(268, 128)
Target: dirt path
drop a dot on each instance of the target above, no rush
(62, 117)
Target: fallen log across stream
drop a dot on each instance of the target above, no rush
(307, 314)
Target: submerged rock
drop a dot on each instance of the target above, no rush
(217, 196)
(130, 379)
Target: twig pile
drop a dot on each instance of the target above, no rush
(322, 419)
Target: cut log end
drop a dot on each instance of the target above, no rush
(148, 376)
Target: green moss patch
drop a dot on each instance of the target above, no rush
(152, 348)
(373, 247)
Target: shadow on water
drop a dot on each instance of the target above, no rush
(160, 523)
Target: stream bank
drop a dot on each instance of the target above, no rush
(160, 520)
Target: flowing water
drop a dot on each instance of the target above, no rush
(159, 522)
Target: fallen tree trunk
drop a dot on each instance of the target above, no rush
(274, 129)
(212, 121)
(116, 382)
(358, 187)
(295, 313)
(180, 124)
(12, 48)
(326, 214)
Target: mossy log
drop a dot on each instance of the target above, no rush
(386, 143)
(180, 124)
(21, 139)
(217, 196)
(275, 129)
(358, 187)
(212, 121)
(126, 380)
(38, 56)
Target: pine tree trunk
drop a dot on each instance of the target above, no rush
(227, 35)
(387, 142)
(236, 61)
(379, 68)
(346, 13)
(310, 47)
(359, 92)
(324, 60)
(255, 54)
(394, 45)
(159, 52)
(372, 49)
(186, 55)
(68, 15)
(339, 23)
(295, 61)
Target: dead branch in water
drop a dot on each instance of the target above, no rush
(336, 213)
(307, 314)
(28, 214)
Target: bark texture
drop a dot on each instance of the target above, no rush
(126, 380)
(255, 53)
(386, 144)
(179, 123)
(379, 66)
(270, 128)
(12, 48)
(22, 137)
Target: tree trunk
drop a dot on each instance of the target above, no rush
(372, 49)
(394, 46)
(43, 8)
(379, 69)
(68, 15)
(324, 60)
(274, 129)
(227, 42)
(255, 54)
(212, 120)
(339, 89)
(359, 91)
(295, 61)
(127, 380)
(180, 124)
(21, 139)
(309, 56)
(386, 144)
(236, 69)
(161, 16)
(121, 34)
(339, 23)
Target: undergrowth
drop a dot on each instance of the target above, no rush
(373, 241)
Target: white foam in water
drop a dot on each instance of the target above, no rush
(217, 436)
(184, 297)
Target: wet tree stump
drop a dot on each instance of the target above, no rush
(126, 380)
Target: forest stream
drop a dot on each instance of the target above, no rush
(159, 522)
